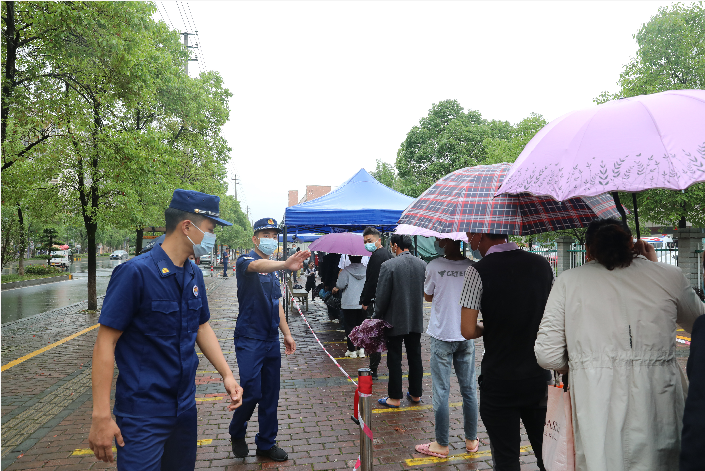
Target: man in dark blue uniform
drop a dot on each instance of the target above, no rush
(154, 313)
(226, 259)
(257, 339)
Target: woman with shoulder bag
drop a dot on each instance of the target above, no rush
(351, 281)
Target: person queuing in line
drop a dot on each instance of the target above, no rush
(154, 313)
(442, 288)
(510, 286)
(373, 243)
(311, 280)
(693, 438)
(612, 323)
(226, 259)
(351, 281)
(399, 301)
(329, 276)
(256, 340)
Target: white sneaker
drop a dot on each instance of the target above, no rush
(361, 353)
(350, 354)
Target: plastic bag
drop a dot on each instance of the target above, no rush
(558, 446)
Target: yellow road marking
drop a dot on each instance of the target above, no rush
(464, 456)
(205, 372)
(88, 451)
(202, 399)
(348, 358)
(44, 349)
(403, 409)
(200, 353)
(683, 337)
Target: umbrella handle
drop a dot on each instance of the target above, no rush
(636, 217)
(620, 208)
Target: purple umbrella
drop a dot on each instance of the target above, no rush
(371, 335)
(632, 144)
(342, 242)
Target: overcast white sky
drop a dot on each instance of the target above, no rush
(324, 88)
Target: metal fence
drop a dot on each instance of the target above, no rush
(550, 254)
(666, 255)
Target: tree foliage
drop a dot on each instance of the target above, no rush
(239, 235)
(670, 56)
(124, 124)
(447, 139)
(386, 174)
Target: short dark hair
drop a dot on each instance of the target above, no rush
(497, 236)
(401, 240)
(369, 230)
(355, 258)
(610, 243)
(172, 218)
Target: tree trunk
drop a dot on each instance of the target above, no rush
(22, 241)
(91, 228)
(138, 241)
(10, 60)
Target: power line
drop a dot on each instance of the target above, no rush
(166, 12)
(192, 20)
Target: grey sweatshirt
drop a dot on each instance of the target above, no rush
(351, 280)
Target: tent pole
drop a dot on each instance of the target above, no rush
(285, 277)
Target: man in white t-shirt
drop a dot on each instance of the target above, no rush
(443, 287)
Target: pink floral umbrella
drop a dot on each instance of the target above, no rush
(632, 144)
(342, 242)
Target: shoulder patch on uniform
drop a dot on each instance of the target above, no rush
(248, 258)
(165, 270)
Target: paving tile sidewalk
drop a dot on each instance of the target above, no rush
(314, 408)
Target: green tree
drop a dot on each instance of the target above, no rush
(446, 140)
(131, 126)
(386, 174)
(239, 235)
(670, 56)
(508, 149)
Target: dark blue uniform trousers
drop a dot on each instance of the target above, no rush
(158, 443)
(259, 363)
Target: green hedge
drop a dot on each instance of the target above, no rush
(41, 270)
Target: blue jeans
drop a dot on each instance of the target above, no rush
(462, 356)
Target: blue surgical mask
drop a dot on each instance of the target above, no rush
(206, 245)
(439, 250)
(371, 246)
(267, 246)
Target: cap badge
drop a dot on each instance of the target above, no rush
(269, 221)
(165, 270)
(195, 290)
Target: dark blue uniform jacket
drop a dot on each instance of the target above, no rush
(258, 297)
(159, 316)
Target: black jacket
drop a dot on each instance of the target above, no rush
(369, 291)
(693, 439)
(329, 269)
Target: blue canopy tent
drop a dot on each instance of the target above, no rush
(299, 237)
(360, 202)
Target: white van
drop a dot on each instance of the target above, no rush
(666, 250)
(61, 258)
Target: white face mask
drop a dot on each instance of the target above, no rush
(206, 245)
(267, 246)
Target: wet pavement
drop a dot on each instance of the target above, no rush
(46, 400)
(19, 303)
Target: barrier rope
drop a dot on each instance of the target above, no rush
(298, 308)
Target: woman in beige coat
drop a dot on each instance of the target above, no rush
(612, 323)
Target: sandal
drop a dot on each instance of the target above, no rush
(383, 401)
(408, 396)
(426, 450)
(474, 450)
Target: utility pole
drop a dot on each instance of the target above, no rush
(235, 180)
(186, 35)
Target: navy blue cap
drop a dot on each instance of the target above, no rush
(198, 203)
(266, 223)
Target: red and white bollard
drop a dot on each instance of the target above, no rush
(211, 270)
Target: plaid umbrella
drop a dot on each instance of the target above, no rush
(463, 201)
